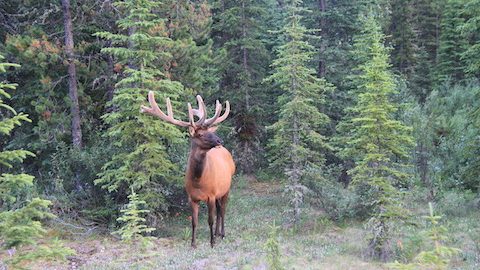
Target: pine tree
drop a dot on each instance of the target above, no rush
(272, 247)
(133, 223)
(143, 145)
(336, 23)
(426, 25)
(470, 30)
(20, 220)
(439, 256)
(189, 26)
(297, 147)
(451, 44)
(374, 139)
(239, 28)
(472, 151)
(403, 37)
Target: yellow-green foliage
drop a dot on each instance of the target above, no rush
(272, 248)
(374, 139)
(298, 130)
(133, 223)
(439, 256)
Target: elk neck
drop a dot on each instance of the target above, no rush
(196, 161)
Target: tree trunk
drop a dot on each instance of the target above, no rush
(110, 83)
(296, 174)
(322, 24)
(422, 162)
(72, 76)
(245, 57)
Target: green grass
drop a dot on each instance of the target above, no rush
(316, 243)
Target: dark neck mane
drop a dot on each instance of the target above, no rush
(196, 161)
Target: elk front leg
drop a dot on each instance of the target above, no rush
(211, 215)
(195, 207)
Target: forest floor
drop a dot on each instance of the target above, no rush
(252, 210)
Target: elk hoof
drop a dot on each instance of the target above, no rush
(194, 246)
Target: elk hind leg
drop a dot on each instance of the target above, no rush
(211, 215)
(223, 209)
(219, 217)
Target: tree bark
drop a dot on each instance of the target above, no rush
(422, 163)
(72, 76)
(245, 57)
(296, 173)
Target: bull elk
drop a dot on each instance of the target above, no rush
(210, 166)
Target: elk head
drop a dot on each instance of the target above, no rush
(202, 131)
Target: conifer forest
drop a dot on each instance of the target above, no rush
(354, 127)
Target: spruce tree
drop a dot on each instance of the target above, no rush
(403, 37)
(20, 219)
(192, 62)
(425, 22)
(470, 30)
(336, 23)
(297, 147)
(239, 30)
(374, 139)
(143, 145)
(472, 153)
(439, 256)
(133, 223)
(452, 44)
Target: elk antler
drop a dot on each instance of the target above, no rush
(155, 111)
(201, 112)
(215, 120)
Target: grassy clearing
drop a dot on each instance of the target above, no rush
(317, 243)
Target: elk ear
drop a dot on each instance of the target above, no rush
(191, 131)
(212, 129)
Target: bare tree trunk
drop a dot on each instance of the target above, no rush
(245, 57)
(296, 174)
(422, 163)
(322, 24)
(110, 84)
(72, 76)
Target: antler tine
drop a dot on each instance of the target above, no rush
(155, 111)
(224, 116)
(190, 115)
(169, 107)
(218, 110)
(202, 111)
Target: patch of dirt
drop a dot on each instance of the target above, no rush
(348, 263)
(94, 251)
(264, 188)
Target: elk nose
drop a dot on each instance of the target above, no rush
(219, 141)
